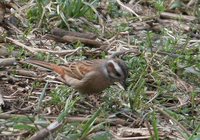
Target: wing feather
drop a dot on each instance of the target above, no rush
(79, 69)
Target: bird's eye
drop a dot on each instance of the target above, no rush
(118, 74)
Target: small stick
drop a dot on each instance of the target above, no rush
(36, 50)
(72, 39)
(167, 15)
(60, 33)
(161, 110)
(128, 9)
(21, 45)
(7, 62)
(40, 135)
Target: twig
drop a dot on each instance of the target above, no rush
(161, 110)
(73, 39)
(115, 121)
(191, 2)
(154, 97)
(40, 135)
(11, 134)
(55, 125)
(134, 51)
(116, 137)
(128, 9)
(147, 124)
(86, 41)
(36, 50)
(60, 32)
(24, 72)
(21, 45)
(1, 99)
(14, 28)
(177, 16)
(174, 23)
(7, 62)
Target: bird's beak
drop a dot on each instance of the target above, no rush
(123, 84)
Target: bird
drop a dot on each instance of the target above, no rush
(89, 76)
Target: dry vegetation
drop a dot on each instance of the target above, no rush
(158, 39)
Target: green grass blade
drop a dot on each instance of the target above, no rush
(88, 126)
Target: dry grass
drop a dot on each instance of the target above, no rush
(162, 100)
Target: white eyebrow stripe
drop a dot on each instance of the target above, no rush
(117, 67)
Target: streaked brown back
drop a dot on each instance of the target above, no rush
(80, 68)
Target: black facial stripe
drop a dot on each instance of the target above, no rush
(123, 68)
(117, 69)
(118, 74)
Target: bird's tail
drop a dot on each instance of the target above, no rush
(51, 66)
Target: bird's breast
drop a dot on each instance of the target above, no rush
(94, 84)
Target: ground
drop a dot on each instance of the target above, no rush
(158, 40)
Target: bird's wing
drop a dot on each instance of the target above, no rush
(79, 69)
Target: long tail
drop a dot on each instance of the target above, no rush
(51, 66)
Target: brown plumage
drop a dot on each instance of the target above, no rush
(89, 76)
